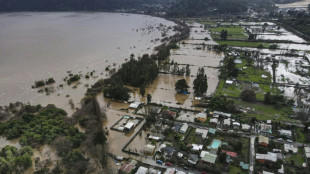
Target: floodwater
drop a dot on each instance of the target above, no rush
(300, 4)
(163, 87)
(4, 142)
(36, 46)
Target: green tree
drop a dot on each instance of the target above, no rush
(218, 102)
(181, 86)
(188, 71)
(231, 69)
(268, 98)
(224, 34)
(149, 98)
(117, 92)
(200, 83)
(248, 95)
(142, 90)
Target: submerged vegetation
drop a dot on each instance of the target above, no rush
(41, 127)
(15, 160)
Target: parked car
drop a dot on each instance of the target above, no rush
(168, 164)
(159, 162)
(290, 141)
(280, 139)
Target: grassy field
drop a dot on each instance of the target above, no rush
(208, 22)
(265, 112)
(233, 32)
(243, 43)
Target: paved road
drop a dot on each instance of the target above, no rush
(252, 153)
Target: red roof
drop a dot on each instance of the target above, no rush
(169, 113)
(232, 154)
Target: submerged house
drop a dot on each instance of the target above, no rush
(129, 126)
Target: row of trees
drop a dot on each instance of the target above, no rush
(137, 73)
(200, 84)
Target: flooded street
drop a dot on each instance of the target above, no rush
(37, 46)
(300, 4)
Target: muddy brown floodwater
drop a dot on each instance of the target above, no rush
(37, 46)
(163, 92)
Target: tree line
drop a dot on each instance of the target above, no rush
(190, 8)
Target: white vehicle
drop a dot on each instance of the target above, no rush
(290, 141)
(280, 139)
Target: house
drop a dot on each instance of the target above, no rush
(202, 132)
(158, 124)
(153, 171)
(170, 171)
(192, 159)
(197, 147)
(161, 148)
(176, 127)
(202, 117)
(155, 111)
(129, 126)
(269, 121)
(236, 125)
(209, 158)
(286, 133)
(269, 157)
(223, 114)
(142, 170)
(168, 114)
(245, 127)
(134, 105)
(168, 151)
(266, 128)
(307, 151)
(127, 168)
(184, 128)
(149, 149)
(226, 122)
(232, 154)
(229, 82)
(263, 141)
(290, 148)
(213, 121)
